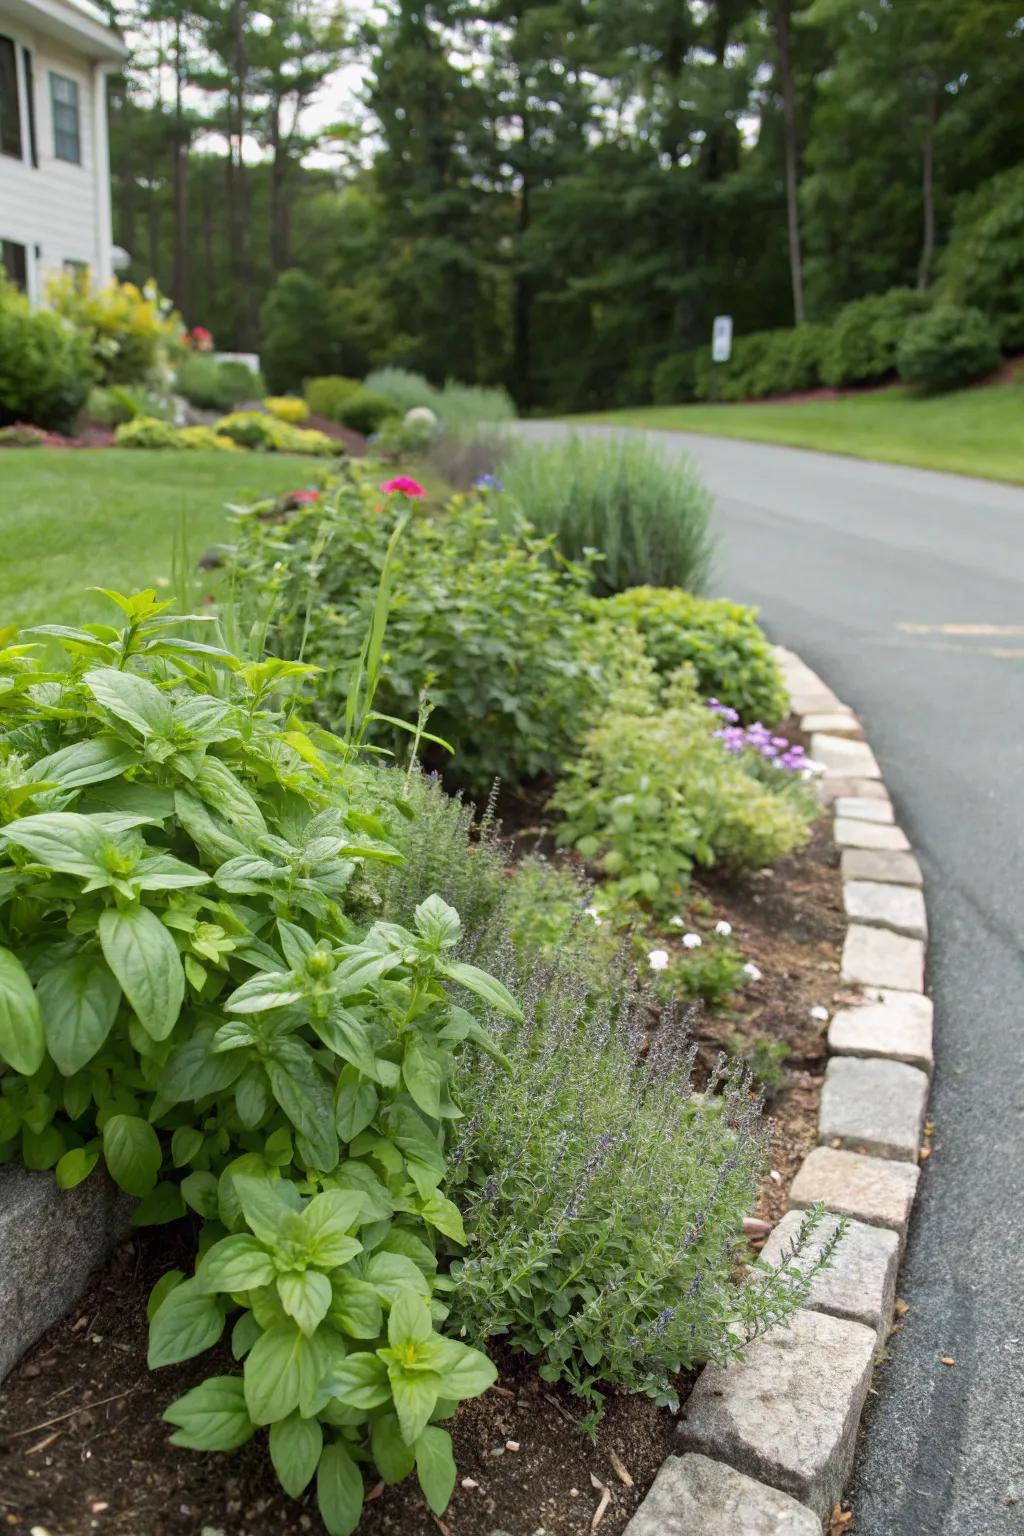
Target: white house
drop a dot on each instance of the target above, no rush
(54, 161)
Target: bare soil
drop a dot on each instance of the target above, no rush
(82, 1446)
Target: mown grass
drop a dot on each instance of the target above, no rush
(971, 432)
(73, 519)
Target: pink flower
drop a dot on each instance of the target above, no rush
(302, 497)
(403, 485)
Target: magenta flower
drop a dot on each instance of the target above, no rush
(403, 485)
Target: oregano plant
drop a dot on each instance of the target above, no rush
(184, 998)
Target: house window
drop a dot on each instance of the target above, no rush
(15, 260)
(10, 106)
(67, 139)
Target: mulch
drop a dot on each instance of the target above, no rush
(82, 1447)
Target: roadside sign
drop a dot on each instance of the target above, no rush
(721, 338)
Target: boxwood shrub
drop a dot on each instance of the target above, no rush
(723, 641)
(864, 339)
(947, 347)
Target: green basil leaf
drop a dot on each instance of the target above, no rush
(355, 1308)
(423, 1075)
(435, 1467)
(186, 1143)
(360, 1380)
(339, 1490)
(145, 960)
(394, 1459)
(212, 1417)
(238, 1263)
(184, 1324)
(132, 699)
(163, 1288)
(355, 1104)
(326, 1221)
(65, 841)
(199, 1191)
(22, 1038)
(306, 1297)
(415, 1395)
(438, 923)
(488, 987)
(86, 762)
(79, 1000)
(132, 1153)
(465, 1372)
(161, 1205)
(295, 1447)
(75, 1166)
(219, 787)
(282, 1371)
(303, 1094)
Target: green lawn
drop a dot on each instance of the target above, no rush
(75, 518)
(972, 432)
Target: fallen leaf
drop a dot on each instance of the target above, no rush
(924, 1153)
(901, 1307)
(840, 1522)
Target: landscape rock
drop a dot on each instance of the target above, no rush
(787, 1413)
(853, 759)
(877, 864)
(873, 1105)
(51, 1241)
(860, 1283)
(899, 907)
(836, 787)
(695, 1496)
(875, 957)
(849, 833)
(871, 1189)
(899, 1029)
(863, 808)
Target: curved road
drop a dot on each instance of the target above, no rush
(905, 590)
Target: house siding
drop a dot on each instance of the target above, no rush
(55, 210)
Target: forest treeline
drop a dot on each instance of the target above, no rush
(552, 196)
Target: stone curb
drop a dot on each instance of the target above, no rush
(770, 1440)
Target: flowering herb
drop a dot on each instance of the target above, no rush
(777, 750)
(488, 483)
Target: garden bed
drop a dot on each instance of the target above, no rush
(82, 1445)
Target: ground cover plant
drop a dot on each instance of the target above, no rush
(213, 1026)
(648, 515)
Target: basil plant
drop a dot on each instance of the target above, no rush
(184, 999)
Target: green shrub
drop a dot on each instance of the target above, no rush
(728, 649)
(648, 514)
(118, 403)
(45, 370)
(364, 411)
(497, 632)
(148, 432)
(205, 437)
(675, 378)
(128, 330)
(186, 999)
(300, 332)
(214, 386)
(461, 408)
(983, 264)
(259, 429)
(402, 388)
(326, 395)
(864, 338)
(946, 348)
(653, 794)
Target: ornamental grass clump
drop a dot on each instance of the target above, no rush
(188, 997)
(647, 514)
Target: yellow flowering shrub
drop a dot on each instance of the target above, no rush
(128, 328)
(290, 408)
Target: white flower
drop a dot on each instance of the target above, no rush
(723, 928)
(812, 769)
(658, 959)
(677, 922)
(751, 970)
(819, 1013)
(692, 940)
(595, 914)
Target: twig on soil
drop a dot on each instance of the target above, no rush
(445, 1530)
(85, 1407)
(43, 1443)
(566, 1415)
(606, 1498)
(621, 1471)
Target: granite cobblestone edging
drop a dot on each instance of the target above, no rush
(767, 1443)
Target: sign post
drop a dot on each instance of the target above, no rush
(721, 338)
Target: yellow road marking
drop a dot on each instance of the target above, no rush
(962, 629)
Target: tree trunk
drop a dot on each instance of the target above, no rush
(791, 156)
(243, 248)
(924, 266)
(180, 271)
(278, 193)
(522, 295)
